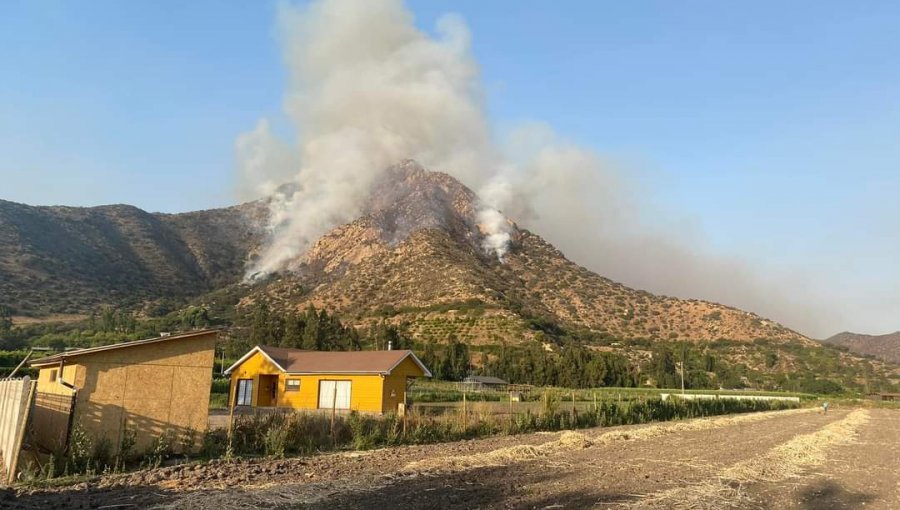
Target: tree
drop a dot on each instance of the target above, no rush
(259, 327)
(458, 361)
(293, 331)
(429, 359)
(194, 317)
(313, 333)
(5, 319)
(57, 344)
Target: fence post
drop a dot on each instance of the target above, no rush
(574, 412)
(232, 397)
(333, 409)
(465, 412)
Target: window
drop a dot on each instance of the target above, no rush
(53, 375)
(292, 385)
(244, 392)
(334, 394)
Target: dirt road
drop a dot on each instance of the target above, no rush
(790, 459)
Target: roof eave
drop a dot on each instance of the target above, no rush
(247, 356)
(57, 358)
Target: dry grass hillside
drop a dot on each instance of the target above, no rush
(72, 259)
(414, 256)
(885, 347)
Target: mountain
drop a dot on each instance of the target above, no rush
(415, 256)
(885, 347)
(72, 259)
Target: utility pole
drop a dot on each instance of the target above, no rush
(683, 354)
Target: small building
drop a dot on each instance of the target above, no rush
(145, 387)
(483, 382)
(366, 381)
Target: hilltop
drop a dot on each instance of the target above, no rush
(885, 347)
(413, 256)
(74, 259)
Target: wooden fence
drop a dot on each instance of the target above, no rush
(15, 403)
(51, 421)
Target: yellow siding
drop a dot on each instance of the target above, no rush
(370, 393)
(395, 384)
(69, 374)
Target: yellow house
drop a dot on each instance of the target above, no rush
(366, 381)
(147, 387)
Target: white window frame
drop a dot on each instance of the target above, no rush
(330, 399)
(244, 392)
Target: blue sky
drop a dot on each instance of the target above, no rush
(772, 127)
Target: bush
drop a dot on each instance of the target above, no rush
(297, 433)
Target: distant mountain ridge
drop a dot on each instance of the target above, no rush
(414, 255)
(885, 347)
(73, 259)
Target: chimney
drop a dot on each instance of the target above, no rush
(390, 345)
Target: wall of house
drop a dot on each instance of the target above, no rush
(70, 374)
(53, 405)
(395, 384)
(368, 393)
(365, 390)
(147, 389)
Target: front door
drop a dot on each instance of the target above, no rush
(334, 394)
(268, 391)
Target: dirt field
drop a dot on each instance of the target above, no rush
(790, 459)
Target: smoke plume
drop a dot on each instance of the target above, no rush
(368, 89)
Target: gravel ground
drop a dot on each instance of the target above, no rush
(551, 473)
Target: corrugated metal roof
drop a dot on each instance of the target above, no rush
(297, 361)
(56, 358)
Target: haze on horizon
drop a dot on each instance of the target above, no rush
(742, 154)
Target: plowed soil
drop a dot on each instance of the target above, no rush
(596, 469)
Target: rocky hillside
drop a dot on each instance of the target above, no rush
(885, 347)
(415, 256)
(71, 259)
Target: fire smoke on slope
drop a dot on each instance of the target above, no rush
(368, 89)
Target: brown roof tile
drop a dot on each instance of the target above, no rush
(297, 361)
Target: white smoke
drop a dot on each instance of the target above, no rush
(497, 229)
(368, 89)
(264, 162)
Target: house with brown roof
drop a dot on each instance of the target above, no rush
(145, 388)
(365, 381)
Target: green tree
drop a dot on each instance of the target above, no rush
(293, 331)
(314, 332)
(5, 319)
(259, 327)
